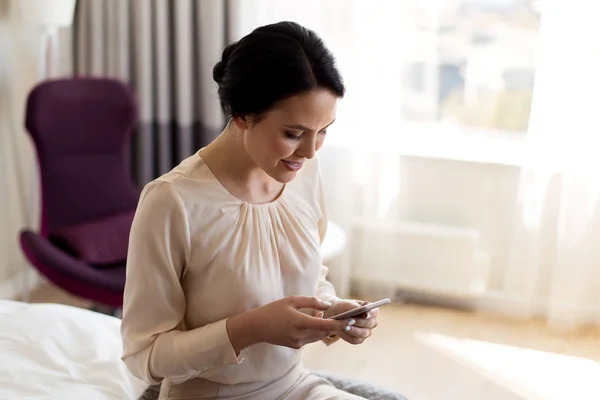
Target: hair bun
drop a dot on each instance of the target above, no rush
(270, 64)
(221, 66)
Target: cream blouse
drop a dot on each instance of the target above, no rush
(198, 255)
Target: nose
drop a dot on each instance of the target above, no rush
(307, 148)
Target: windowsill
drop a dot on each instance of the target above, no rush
(441, 141)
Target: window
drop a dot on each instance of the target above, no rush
(419, 70)
(473, 63)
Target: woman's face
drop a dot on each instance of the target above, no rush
(289, 134)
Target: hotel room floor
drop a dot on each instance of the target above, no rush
(431, 353)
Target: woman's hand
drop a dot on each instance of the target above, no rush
(363, 325)
(281, 323)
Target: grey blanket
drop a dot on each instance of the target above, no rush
(358, 388)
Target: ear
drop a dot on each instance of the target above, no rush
(241, 123)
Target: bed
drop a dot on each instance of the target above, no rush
(52, 351)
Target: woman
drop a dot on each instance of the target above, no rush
(224, 249)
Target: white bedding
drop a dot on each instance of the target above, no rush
(50, 351)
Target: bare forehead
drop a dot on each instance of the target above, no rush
(314, 109)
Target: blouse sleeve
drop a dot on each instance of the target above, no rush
(154, 345)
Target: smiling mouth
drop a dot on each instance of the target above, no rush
(292, 166)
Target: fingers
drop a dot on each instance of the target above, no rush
(355, 335)
(362, 329)
(369, 321)
(308, 302)
(365, 315)
(317, 323)
(331, 325)
(372, 313)
(361, 333)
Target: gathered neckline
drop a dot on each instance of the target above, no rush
(271, 203)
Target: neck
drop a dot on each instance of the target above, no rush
(229, 161)
(229, 146)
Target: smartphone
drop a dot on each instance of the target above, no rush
(361, 310)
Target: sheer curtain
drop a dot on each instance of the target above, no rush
(554, 270)
(544, 258)
(19, 203)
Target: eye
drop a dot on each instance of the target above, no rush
(292, 136)
(323, 132)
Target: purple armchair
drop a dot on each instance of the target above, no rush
(81, 129)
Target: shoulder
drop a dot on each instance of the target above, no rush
(190, 181)
(191, 168)
(168, 190)
(189, 190)
(159, 198)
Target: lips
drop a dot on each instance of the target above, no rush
(291, 165)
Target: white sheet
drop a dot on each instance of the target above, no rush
(50, 351)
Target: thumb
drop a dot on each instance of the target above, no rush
(309, 302)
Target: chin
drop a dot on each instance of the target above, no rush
(281, 175)
(284, 177)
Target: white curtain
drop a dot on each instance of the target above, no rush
(554, 269)
(21, 52)
(19, 202)
(525, 187)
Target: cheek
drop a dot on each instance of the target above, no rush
(282, 148)
(267, 146)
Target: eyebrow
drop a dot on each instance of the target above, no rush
(304, 128)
